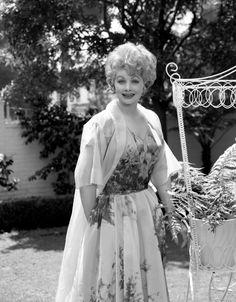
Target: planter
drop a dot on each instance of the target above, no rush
(217, 250)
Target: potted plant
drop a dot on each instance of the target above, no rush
(214, 217)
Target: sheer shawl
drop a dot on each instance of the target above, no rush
(102, 144)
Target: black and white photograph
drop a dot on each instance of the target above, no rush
(117, 151)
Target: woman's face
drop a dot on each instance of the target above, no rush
(128, 88)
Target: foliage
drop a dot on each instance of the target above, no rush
(218, 34)
(45, 42)
(5, 181)
(35, 212)
(59, 132)
(208, 126)
(213, 196)
(59, 45)
(7, 73)
(198, 60)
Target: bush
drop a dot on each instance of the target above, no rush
(35, 212)
(59, 132)
(5, 172)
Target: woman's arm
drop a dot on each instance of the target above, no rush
(88, 198)
(165, 197)
(168, 206)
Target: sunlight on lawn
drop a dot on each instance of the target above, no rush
(30, 263)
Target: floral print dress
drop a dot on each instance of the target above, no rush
(121, 253)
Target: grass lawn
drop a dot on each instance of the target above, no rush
(30, 263)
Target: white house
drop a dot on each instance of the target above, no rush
(27, 161)
(26, 158)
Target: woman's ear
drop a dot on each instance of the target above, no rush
(144, 90)
(111, 88)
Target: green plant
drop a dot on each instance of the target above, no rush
(58, 132)
(61, 45)
(5, 181)
(35, 212)
(213, 195)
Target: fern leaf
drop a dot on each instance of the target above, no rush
(224, 168)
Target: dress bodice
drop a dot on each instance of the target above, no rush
(135, 166)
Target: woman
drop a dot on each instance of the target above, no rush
(113, 244)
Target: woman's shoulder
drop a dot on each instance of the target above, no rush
(151, 117)
(103, 121)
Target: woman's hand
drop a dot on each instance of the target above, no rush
(169, 209)
(88, 199)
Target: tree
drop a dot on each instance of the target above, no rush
(7, 74)
(204, 124)
(59, 45)
(197, 60)
(59, 132)
(218, 35)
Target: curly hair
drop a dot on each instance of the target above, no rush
(136, 59)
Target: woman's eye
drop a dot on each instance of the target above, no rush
(120, 81)
(136, 81)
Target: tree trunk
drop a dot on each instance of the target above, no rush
(161, 112)
(160, 104)
(206, 158)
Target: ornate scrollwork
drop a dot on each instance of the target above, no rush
(171, 70)
(213, 90)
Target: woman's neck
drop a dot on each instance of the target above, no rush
(128, 110)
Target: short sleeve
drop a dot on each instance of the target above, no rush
(89, 165)
(166, 166)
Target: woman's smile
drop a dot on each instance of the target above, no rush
(128, 88)
(128, 95)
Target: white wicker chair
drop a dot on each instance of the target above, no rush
(214, 252)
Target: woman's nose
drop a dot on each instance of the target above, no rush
(127, 86)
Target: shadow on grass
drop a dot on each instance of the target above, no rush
(53, 239)
(175, 254)
(40, 239)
